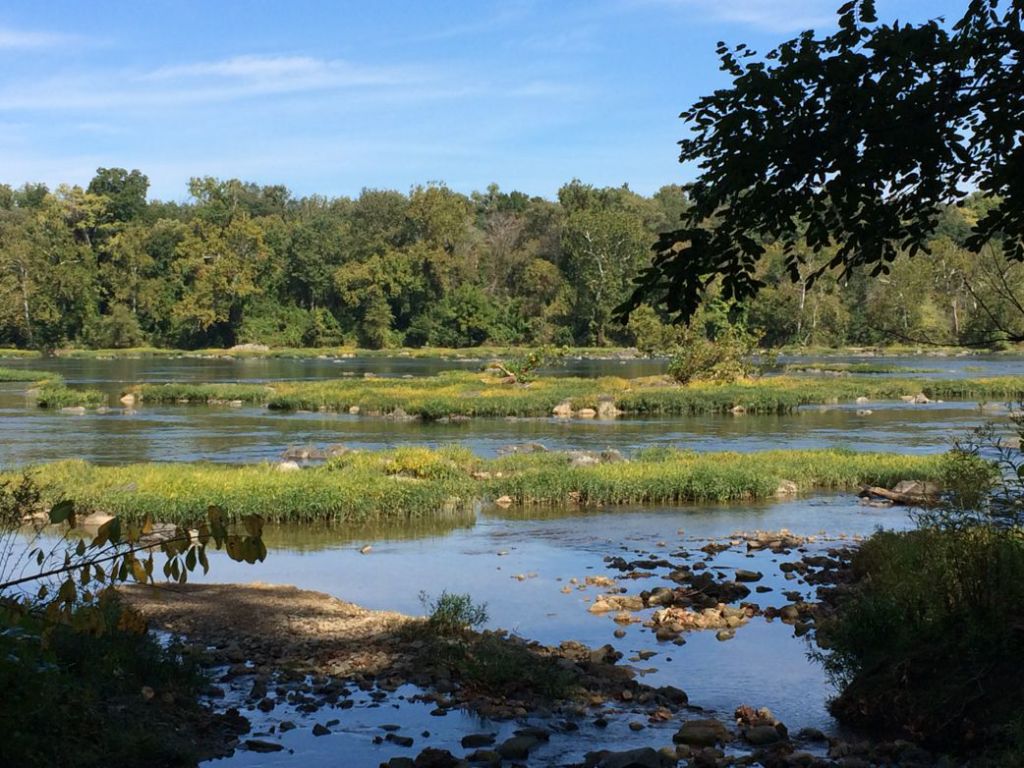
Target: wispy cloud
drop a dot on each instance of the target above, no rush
(508, 14)
(581, 39)
(545, 89)
(768, 15)
(250, 77)
(26, 39)
(222, 80)
(302, 71)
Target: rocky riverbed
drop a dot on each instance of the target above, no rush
(305, 666)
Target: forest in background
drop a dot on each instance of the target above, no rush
(105, 267)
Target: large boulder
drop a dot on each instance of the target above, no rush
(702, 733)
(563, 410)
(606, 409)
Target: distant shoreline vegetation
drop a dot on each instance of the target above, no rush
(104, 267)
(491, 352)
(418, 483)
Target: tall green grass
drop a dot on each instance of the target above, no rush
(686, 476)
(419, 483)
(478, 394)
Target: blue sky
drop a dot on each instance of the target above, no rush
(330, 97)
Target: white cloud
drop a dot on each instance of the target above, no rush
(23, 39)
(769, 15)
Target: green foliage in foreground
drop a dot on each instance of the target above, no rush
(415, 483)
(90, 689)
(931, 642)
(474, 394)
(928, 638)
(58, 395)
(27, 374)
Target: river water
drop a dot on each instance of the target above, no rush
(199, 433)
(764, 665)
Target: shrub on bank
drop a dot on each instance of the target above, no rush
(929, 638)
(931, 641)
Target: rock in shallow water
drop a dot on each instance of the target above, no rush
(518, 747)
(702, 733)
(258, 745)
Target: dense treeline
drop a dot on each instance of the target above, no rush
(105, 267)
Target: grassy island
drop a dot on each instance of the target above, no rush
(419, 483)
(481, 394)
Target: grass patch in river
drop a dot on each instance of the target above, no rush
(418, 483)
(477, 394)
(866, 368)
(27, 374)
(57, 395)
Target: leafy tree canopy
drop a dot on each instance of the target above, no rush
(852, 143)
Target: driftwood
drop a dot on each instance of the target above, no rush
(913, 499)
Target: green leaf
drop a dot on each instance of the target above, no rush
(109, 531)
(63, 511)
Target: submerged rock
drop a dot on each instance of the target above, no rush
(475, 740)
(644, 757)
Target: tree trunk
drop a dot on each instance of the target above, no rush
(23, 281)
